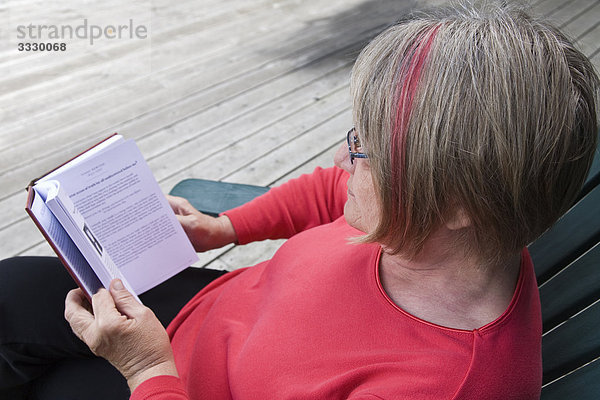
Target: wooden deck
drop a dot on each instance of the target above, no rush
(253, 92)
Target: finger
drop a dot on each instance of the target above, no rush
(190, 220)
(124, 300)
(182, 219)
(104, 308)
(186, 208)
(76, 313)
(76, 295)
(84, 299)
(179, 204)
(75, 301)
(173, 200)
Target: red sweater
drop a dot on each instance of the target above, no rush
(314, 322)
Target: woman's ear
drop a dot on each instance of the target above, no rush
(459, 220)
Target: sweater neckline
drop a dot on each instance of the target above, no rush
(491, 326)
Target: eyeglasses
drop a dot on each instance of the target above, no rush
(354, 146)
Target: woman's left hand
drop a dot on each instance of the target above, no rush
(123, 331)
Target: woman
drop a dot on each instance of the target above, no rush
(405, 275)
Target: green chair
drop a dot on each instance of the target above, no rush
(213, 197)
(567, 263)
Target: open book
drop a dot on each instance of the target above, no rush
(105, 216)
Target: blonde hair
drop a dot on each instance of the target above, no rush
(483, 109)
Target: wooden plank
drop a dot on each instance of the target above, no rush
(324, 159)
(573, 234)
(275, 98)
(537, 4)
(217, 264)
(589, 41)
(586, 18)
(250, 254)
(571, 290)
(64, 12)
(572, 344)
(161, 25)
(193, 67)
(199, 19)
(582, 384)
(244, 114)
(310, 140)
(56, 14)
(296, 152)
(549, 8)
(41, 249)
(567, 11)
(196, 71)
(22, 236)
(9, 207)
(112, 51)
(74, 131)
(227, 149)
(171, 61)
(208, 257)
(235, 157)
(579, 19)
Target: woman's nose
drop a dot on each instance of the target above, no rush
(342, 158)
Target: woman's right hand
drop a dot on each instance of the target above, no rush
(205, 232)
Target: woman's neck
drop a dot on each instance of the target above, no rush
(445, 287)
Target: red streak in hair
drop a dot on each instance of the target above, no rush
(410, 73)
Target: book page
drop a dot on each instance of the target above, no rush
(100, 147)
(81, 234)
(119, 198)
(64, 246)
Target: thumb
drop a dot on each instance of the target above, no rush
(125, 302)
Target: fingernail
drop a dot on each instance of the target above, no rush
(117, 284)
